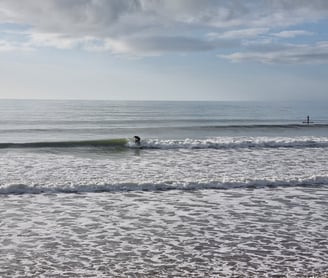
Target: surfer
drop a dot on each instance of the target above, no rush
(137, 140)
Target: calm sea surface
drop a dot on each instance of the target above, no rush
(215, 189)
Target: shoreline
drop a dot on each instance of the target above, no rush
(276, 231)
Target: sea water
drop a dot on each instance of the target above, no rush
(214, 189)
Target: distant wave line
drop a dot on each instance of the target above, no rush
(254, 126)
(128, 187)
(152, 127)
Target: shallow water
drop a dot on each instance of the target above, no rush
(84, 170)
(264, 232)
(216, 189)
(86, 146)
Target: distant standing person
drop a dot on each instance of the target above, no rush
(307, 120)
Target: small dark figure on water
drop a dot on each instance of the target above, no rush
(307, 121)
(137, 140)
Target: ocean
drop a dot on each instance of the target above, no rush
(215, 189)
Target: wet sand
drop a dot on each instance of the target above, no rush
(262, 232)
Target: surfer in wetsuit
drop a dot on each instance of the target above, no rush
(137, 140)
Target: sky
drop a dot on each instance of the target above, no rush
(164, 49)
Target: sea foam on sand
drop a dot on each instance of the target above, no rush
(263, 232)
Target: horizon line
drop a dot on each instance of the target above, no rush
(158, 100)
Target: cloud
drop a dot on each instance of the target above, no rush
(102, 17)
(53, 40)
(160, 44)
(153, 27)
(239, 34)
(288, 54)
(8, 46)
(155, 46)
(292, 33)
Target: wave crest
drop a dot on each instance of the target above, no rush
(127, 187)
(237, 142)
(210, 143)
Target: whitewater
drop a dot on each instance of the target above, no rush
(164, 164)
(217, 189)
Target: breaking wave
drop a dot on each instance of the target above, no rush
(211, 143)
(164, 186)
(237, 142)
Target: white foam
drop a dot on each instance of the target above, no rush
(251, 233)
(236, 142)
(152, 169)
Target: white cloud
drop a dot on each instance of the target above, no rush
(7, 46)
(53, 40)
(289, 54)
(292, 33)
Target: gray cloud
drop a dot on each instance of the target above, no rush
(161, 44)
(147, 27)
(83, 17)
(239, 33)
(101, 16)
